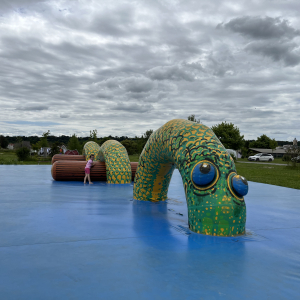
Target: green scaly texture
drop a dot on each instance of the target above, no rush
(89, 149)
(115, 156)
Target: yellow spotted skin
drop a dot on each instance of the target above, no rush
(214, 209)
(89, 149)
(115, 156)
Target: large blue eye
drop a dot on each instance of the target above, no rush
(203, 174)
(240, 185)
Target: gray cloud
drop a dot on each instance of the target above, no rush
(18, 5)
(125, 68)
(118, 21)
(137, 84)
(278, 132)
(137, 95)
(194, 65)
(133, 108)
(169, 73)
(277, 51)
(33, 107)
(132, 84)
(104, 95)
(64, 116)
(261, 27)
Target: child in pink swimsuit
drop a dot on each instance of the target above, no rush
(87, 169)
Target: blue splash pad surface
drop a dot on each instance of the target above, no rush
(64, 240)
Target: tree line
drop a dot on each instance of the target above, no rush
(228, 134)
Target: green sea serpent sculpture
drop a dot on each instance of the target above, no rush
(115, 156)
(214, 192)
(90, 148)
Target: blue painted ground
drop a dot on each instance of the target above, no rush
(63, 240)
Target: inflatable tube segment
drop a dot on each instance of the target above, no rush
(67, 170)
(115, 156)
(57, 157)
(133, 166)
(91, 148)
(214, 192)
(63, 170)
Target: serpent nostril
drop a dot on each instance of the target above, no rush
(240, 185)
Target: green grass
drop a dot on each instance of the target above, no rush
(9, 157)
(285, 176)
(134, 157)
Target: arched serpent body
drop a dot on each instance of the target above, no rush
(115, 156)
(90, 148)
(214, 208)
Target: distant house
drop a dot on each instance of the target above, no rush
(64, 149)
(25, 144)
(41, 151)
(10, 146)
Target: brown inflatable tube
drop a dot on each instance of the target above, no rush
(134, 166)
(57, 157)
(68, 170)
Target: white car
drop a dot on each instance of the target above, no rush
(261, 157)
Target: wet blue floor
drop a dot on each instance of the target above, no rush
(64, 240)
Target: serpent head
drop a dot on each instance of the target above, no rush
(214, 192)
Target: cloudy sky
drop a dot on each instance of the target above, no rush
(123, 67)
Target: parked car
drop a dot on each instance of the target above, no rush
(261, 157)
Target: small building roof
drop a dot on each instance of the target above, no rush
(266, 150)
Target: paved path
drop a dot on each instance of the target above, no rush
(260, 163)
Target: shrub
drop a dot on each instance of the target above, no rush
(244, 152)
(74, 144)
(23, 153)
(130, 146)
(296, 159)
(293, 151)
(54, 149)
(286, 157)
